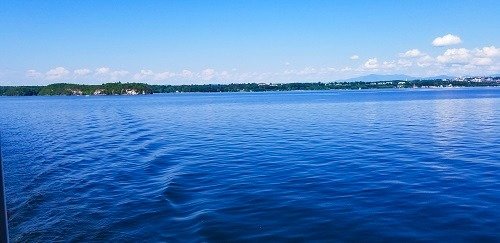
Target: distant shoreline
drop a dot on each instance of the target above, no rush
(66, 89)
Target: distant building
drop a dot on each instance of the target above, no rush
(131, 92)
(99, 92)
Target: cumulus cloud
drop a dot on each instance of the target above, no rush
(405, 63)
(102, 70)
(481, 61)
(33, 74)
(164, 75)
(488, 51)
(224, 74)
(354, 57)
(453, 61)
(144, 73)
(372, 63)
(425, 61)
(447, 40)
(389, 64)
(56, 73)
(149, 75)
(411, 53)
(186, 74)
(462, 61)
(456, 55)
(118, 74)
(392, 66)
(108, 74)
(307, 71)
(207, 74)
(81, 72)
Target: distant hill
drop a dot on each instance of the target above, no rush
(377, 77)
(389, 77)
(439, 77)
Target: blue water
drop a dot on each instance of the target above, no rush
(381, 165)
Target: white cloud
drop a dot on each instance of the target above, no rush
(456, 56)
(447, 40)
(372, 63)
(411, 53)
(147, 72)
(82, 72)
(148, 75)
(186, 74)
(224, 74)
(164, 75)
(144, 74)
(33, 74)
(488, 51)
(118, 74)
(404, 63)
(481, 61)
(425, 61)
(107, 74)
(207, 74)
(452, 61)
(307, 71)
(102, 70)
(56, 73)
(389, 64)
(494, 68)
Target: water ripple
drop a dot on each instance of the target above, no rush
(298, 166)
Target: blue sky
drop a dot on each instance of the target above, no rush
(172, 42)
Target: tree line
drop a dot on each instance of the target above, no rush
(142, 88)
(77, 89)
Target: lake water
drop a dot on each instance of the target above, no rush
(376, 165)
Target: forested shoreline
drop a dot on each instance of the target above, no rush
(143, 88)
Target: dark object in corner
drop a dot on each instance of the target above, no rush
(4, 233)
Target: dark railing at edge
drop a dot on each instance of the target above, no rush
(4, 229)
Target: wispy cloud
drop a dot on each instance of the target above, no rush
(34, 74)
(56, 73)
(107, 74)
(411, 53)
(82, 72)
(371, 63)
(207, 74)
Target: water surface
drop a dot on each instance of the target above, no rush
(417, 165)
